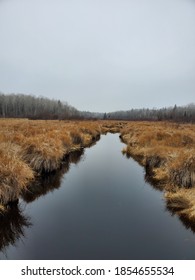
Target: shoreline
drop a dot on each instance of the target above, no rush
(31, 148)
(166, 150)
(167, 155)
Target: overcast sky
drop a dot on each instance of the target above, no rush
(99, 55)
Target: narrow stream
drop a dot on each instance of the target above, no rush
(101, 208)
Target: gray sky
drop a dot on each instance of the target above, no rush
(99, 55)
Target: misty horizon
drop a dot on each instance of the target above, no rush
(15, 101)
(99, 56)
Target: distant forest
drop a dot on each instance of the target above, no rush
(28, 106)
(176, 113)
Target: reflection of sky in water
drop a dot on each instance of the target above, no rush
(103, 210)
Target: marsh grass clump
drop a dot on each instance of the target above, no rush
(112, 126)
(43, 154)
(76, 138)
(182, 202)
(30, 148)
(153, 162)
(44, 184)
(48, 182)
(2, 209)
(15, 174)
(166, 150)
(182, 172)
(163, 149)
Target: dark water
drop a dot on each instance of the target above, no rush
(101, 208)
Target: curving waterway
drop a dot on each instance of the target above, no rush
(98, 206)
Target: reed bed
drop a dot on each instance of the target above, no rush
(29, 148)
(15, 173)
(167, 151)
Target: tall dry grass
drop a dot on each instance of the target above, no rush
(15, 173)
(167, 151)
(182, 202)
(28, 148)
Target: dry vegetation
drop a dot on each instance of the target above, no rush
(167, 151)
(28, 148)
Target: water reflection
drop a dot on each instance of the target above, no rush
(147, 177)
(14, 222)
(153, 182)
(12, 226)
(76, 156)
(100, 212)
(50, 181)
(184, 219)
(157, 185)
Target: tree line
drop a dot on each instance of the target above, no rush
(28, 106)
(176, 113)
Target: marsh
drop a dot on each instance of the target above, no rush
(103, 209)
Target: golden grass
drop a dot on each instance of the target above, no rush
(167, 151)
(2, 208)
(49, 182)
(29, 147)
(15, 174)
(43, 153)
(182, 202)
